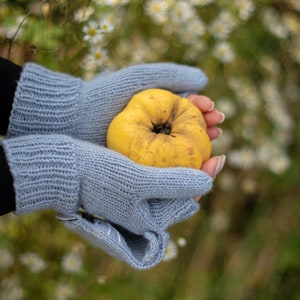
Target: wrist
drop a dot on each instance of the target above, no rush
(44, 173)
(7, 203)
(45, 102)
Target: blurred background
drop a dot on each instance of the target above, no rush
(245, 241)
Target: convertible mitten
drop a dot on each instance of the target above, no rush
(135, 203)
(52, 102)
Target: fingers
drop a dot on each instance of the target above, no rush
(214, 132)
(213, 117)
(214, 165)
(169, 183)
(202, 102)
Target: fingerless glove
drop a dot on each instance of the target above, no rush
(52, 102)
(135, 203)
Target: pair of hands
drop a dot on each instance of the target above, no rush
(55, 149)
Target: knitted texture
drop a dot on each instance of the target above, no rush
(51, 102)
(44, 173)
(139, 251)
(136, 203)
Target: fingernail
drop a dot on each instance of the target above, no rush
(220, 132)
(220, 165)
(212, 106)
(222, 119)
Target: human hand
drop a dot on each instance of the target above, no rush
(136, 203)
(212, 117)
(50, 102)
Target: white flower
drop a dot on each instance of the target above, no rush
(245, 8)
(16, 30)
(157, 10)
(64, 292)
(72, 263)
(244, 158)
(275, 108)
(271, 155)
(272, 21)
(83, 13)
(97, 56)
(171, 251)
(106, 26)
(10, 289)
(6, 259)
(270, 65)
(182, 12)
(223, 25)
(181, 242)
(101, 279)
(224, 52)
(196, 27)
(280, 164)
(246, 93)
(92, 32)
(33, 262)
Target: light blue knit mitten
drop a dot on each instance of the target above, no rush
(135, 203)
(51, 102)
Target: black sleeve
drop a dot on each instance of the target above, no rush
(9, 76)
(7, 199)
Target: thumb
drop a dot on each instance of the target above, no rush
(171, 211)
(175, 183)
(214, 165)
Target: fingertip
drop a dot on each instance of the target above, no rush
(214, 166)
(197, 199)
(222, 118)
(214, 132)
(204, 103)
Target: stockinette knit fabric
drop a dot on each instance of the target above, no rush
(135, 203)
(53, 102)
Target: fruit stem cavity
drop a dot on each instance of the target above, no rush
(162, 128)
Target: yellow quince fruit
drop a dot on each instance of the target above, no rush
(160, 129)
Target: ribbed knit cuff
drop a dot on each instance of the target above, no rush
(44, 173)
(45, 102)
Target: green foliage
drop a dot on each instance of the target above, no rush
(244, 243)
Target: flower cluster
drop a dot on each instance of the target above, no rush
(34, 263)
(94, 35)
(11, 287)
